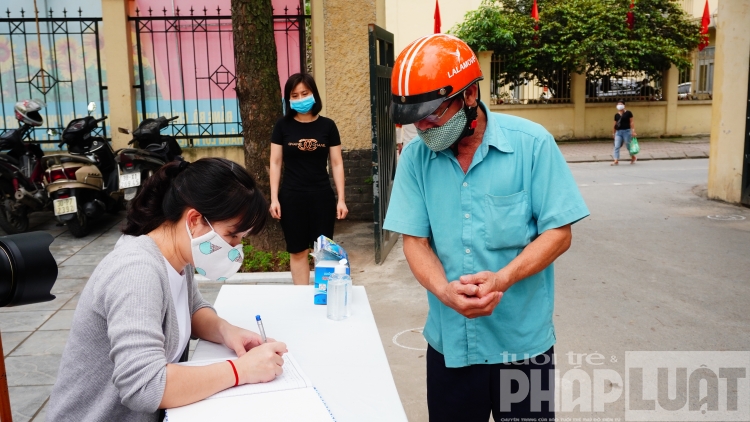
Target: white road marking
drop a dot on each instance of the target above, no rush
(418, 330)
(726, 217)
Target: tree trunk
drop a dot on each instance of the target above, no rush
(259, 96)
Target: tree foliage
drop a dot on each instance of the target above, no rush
(584, 36)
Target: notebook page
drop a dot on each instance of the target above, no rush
(292, 378)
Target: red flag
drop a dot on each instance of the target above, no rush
(704, 28)
(535, 15)
(631, 16)
(437, 17)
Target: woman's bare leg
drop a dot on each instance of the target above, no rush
(300, 268)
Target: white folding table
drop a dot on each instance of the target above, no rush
(344, 360)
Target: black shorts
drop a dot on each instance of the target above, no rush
(305, 216)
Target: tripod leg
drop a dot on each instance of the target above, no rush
(5, 415)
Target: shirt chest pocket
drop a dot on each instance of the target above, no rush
(506, 224)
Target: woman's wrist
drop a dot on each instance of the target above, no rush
(224, 328)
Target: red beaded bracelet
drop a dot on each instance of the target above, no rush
(236, 377)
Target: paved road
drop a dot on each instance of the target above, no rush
(647, 271)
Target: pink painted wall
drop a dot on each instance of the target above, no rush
(171, 56)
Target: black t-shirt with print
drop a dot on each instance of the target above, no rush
(625, 124)
(306, 152)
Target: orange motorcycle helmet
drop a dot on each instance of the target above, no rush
(430, 70)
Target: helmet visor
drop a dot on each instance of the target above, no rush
(409, 113)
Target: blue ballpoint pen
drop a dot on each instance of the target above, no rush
(260, 328)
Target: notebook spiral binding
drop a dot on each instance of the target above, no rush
(333, 418)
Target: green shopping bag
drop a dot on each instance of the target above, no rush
(634, 148)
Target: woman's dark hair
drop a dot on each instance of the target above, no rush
(217, 188)
(621, 102)
(291, 83)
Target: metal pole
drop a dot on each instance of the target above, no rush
(5, 415)
(39, 42)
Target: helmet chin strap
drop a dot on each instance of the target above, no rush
(471, 118)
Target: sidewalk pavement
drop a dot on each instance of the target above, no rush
(651, 149)
(34, 336)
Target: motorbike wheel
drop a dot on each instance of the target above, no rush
(13, 223)
(79, 226)
(116, 206)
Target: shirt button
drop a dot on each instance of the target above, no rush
(466, 184)
(466, 215)
(468, 251)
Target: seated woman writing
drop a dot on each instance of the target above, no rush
(141, 305)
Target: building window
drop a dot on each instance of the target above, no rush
(685, 75)
(705, 71)
(687, 6)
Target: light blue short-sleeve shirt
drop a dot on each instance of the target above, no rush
(517, 186)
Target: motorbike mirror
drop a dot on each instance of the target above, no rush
(92, 107)
(52, 132)
(123, 130)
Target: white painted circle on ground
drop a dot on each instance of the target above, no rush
(726, 217)
(410, 338)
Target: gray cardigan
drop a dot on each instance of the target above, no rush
(114, 367)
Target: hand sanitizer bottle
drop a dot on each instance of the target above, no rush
(340, 293)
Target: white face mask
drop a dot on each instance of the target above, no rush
(620, 107)
(213, 257)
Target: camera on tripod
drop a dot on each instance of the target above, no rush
(27, 269)
(27, 273)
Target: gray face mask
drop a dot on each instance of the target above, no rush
(442, 137)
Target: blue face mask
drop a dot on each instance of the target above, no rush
(303, 105)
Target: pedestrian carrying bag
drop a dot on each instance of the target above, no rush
(634, 148)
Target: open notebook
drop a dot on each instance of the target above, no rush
(290, 396)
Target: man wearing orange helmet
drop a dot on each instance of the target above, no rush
(485, 203)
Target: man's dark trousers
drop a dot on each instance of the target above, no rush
(470, 393)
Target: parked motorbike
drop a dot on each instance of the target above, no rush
(83, 184)
(150, 151)
(21, 184)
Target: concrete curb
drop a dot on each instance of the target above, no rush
(282, 277)
(600, 159)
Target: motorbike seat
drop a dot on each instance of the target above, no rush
(50, 160)
(71, 159)
(8, 158)
(157, 148)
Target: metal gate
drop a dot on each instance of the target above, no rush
(745, 194)
(383, 136)
(185, 66)
(56, 59)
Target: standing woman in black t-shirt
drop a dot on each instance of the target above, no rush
(303, 140)
(623, 131)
